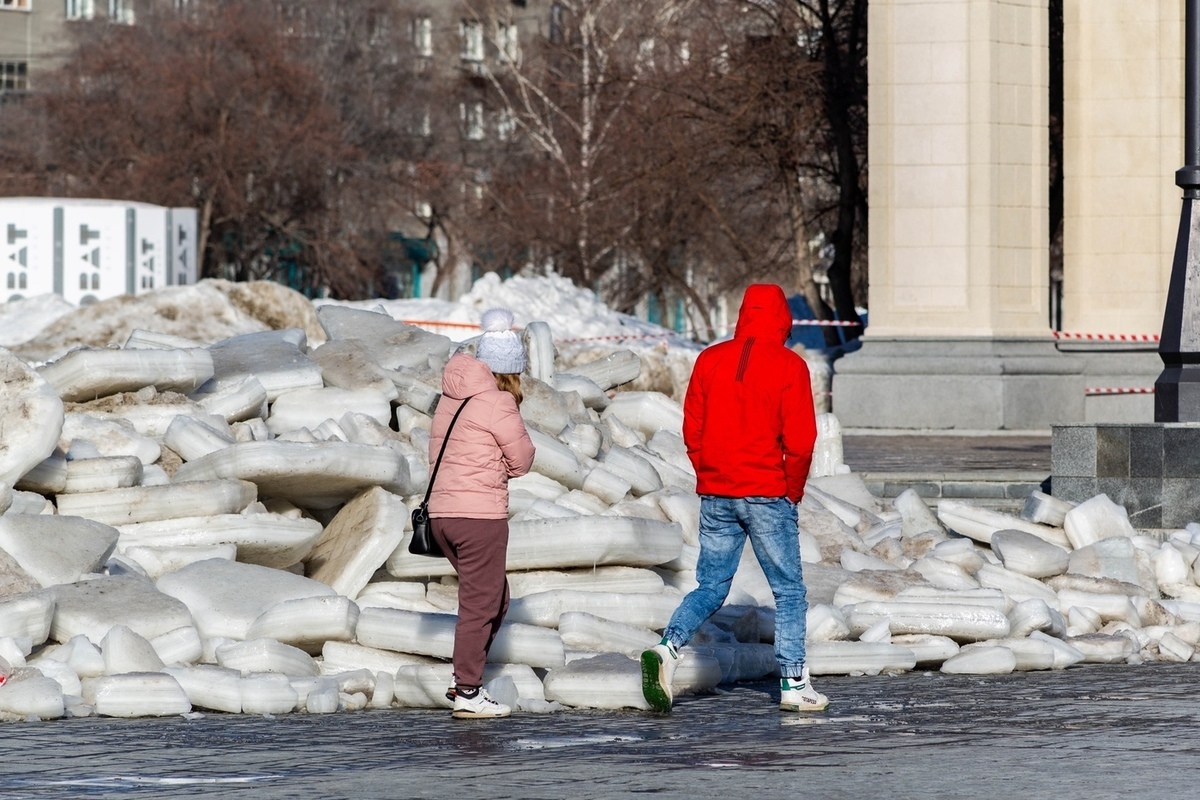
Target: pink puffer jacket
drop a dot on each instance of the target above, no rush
(489, 444)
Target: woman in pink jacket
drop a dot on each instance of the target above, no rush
(468, 507)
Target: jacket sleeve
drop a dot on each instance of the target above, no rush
(693, 415)
(508, 428)
(799, 430)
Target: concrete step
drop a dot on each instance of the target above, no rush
(1001, 490)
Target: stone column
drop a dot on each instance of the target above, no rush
(1122, 141)
(959, 331)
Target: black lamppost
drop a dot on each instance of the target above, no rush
(1177, 390)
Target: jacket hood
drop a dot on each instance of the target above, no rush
(466, 375)
(764, 314)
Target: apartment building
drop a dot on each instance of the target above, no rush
(34, 35)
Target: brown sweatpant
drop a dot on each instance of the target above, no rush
(477, 549)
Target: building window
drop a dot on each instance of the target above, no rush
(422, 36)
(472, 40)
(121, 11)
(14, 76)
(81, 9)
(15, 5)
(556, 23)
(508, 40)
(472, 120)
(506, 126)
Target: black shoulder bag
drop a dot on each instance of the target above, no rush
(422, 542)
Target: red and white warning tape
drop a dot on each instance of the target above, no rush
(832, 323)
(1107, 337)
(1096, 390)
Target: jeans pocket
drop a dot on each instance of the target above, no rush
(759, 500)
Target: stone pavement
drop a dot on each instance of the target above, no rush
(1085, 733)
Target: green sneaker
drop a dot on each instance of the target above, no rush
(658, 669)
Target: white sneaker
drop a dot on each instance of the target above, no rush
(481, 706)
(799, 694)
(658, 670)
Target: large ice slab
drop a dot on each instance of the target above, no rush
(145, 694)
(358, 541)
(148, 412)
(313, 475)
(1115, 558)
(275, 358)
(93, 607)
(126, 651)
(110, 437)
(266, 655)
(28, 616)
(235, 401)
(963, 622)
(1096, 519)
(226, 597)
(647, 412)
(31, 418)
(88, 373)
(1028, 554)
(191, 438)
(263, 538)
(433, 635)
(424, 686)
(308, 623)
(209, 686)
(858, 658)
(57, 549)
(102, 474)
(981, 524)
(347, 656)
(187, 498)
(567, 543)
(611, 370)
(637, 610)
(605, 681)
(32, 695)
(390, 343)
(346, 364)
(597, 579)
(583, 631)
(308, 408)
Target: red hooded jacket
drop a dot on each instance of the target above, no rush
(748, 417)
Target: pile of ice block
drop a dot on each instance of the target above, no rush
(194, 527)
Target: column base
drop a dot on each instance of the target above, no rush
(958, 384)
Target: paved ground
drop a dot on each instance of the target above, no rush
(1085, 733)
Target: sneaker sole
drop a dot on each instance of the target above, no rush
(798, 707)
(652, 683)
(478, 715)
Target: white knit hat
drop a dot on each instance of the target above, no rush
(499, 346)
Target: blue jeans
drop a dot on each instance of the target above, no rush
(770, 522)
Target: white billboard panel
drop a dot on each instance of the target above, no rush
(182, 247)
(149, 248)
(26, 250)
(95, 251)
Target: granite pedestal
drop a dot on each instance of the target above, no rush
(1152, 469)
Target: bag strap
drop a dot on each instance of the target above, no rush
(442, 452)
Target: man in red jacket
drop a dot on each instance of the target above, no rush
(750, 427)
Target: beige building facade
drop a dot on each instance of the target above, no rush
(960, 332)
(958, 144)
(1123, 141)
